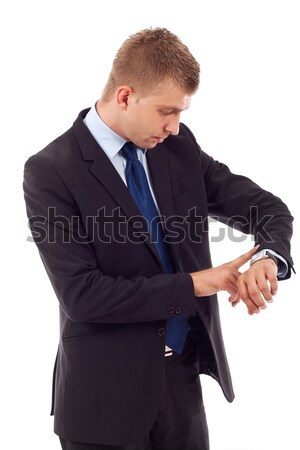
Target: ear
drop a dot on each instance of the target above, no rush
(122, 95)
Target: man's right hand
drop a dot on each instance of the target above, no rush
(221, 278)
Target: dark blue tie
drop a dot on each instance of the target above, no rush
(177, 328)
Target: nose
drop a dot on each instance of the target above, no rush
(172, 126)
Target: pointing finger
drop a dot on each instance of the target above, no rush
(241, 260)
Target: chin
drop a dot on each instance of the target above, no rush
(152, 145)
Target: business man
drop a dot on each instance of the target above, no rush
(118, 207)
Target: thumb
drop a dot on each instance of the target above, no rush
(241, 260)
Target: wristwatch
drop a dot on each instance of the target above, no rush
(263, 254)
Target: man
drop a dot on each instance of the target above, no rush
(118, 207)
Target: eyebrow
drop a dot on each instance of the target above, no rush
(171, 108)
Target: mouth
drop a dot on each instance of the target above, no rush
(159, 140)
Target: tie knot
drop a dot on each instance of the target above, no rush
(129, 151)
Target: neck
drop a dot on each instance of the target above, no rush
(109, 115)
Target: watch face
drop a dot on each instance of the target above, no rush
(261, 254)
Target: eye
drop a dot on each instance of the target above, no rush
(166, 113)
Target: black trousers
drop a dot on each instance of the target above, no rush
(181, 421)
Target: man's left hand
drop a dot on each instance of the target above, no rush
(257, 285)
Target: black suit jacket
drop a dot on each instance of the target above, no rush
(114, 298)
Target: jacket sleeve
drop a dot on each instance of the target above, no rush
(85, 294)
(240, 203)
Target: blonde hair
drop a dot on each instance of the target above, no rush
(149, 58)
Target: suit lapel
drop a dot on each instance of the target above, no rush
(102, 168)
(157, 160)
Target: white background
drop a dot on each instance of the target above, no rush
(55, 57)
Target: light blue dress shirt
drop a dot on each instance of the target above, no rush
(111, 143)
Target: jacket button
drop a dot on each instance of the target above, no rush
(171, 310)
(178, 310)
(161, 331)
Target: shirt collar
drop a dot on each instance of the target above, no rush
(107, 138)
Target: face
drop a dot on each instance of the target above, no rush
(147, 121)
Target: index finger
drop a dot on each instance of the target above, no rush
(241, 260)
(272, 279)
